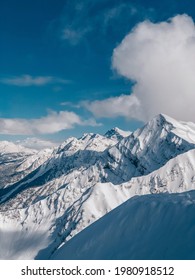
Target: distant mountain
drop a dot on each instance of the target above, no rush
(54, 194)
(16, 161)
(7, 147)
(11, 156)
(36, 143)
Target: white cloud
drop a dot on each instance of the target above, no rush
(28, 80)
(55, 122)
(74, 35)
(124, 105)
(52, 123)
(117, 11)
(87, 17)
(160, 58)
(71, 104)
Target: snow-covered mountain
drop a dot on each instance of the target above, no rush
(56, 193)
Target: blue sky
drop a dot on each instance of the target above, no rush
(56, 60)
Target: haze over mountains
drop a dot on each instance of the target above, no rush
(49, 196)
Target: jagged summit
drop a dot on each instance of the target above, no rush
(116, 133)
(89, 141)
(151, 146)
(184, 130)
(162, 120)
(164, 117)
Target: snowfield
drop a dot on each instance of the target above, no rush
(49, 196)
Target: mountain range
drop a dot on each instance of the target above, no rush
(59, 202)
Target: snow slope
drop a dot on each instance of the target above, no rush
(159, 226)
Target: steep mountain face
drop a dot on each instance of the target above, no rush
(147, 231)
(58, 192)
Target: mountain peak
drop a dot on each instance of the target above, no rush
(164, 118)
(185, 130)
(116, 133)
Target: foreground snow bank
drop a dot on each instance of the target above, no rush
(160, 226)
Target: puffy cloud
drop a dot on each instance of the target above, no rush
(28, 80)
(55, 122)
(124, 105)
(52, 123)
(160, 58)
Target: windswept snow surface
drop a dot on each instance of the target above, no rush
(55, 193)
(160, 226)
